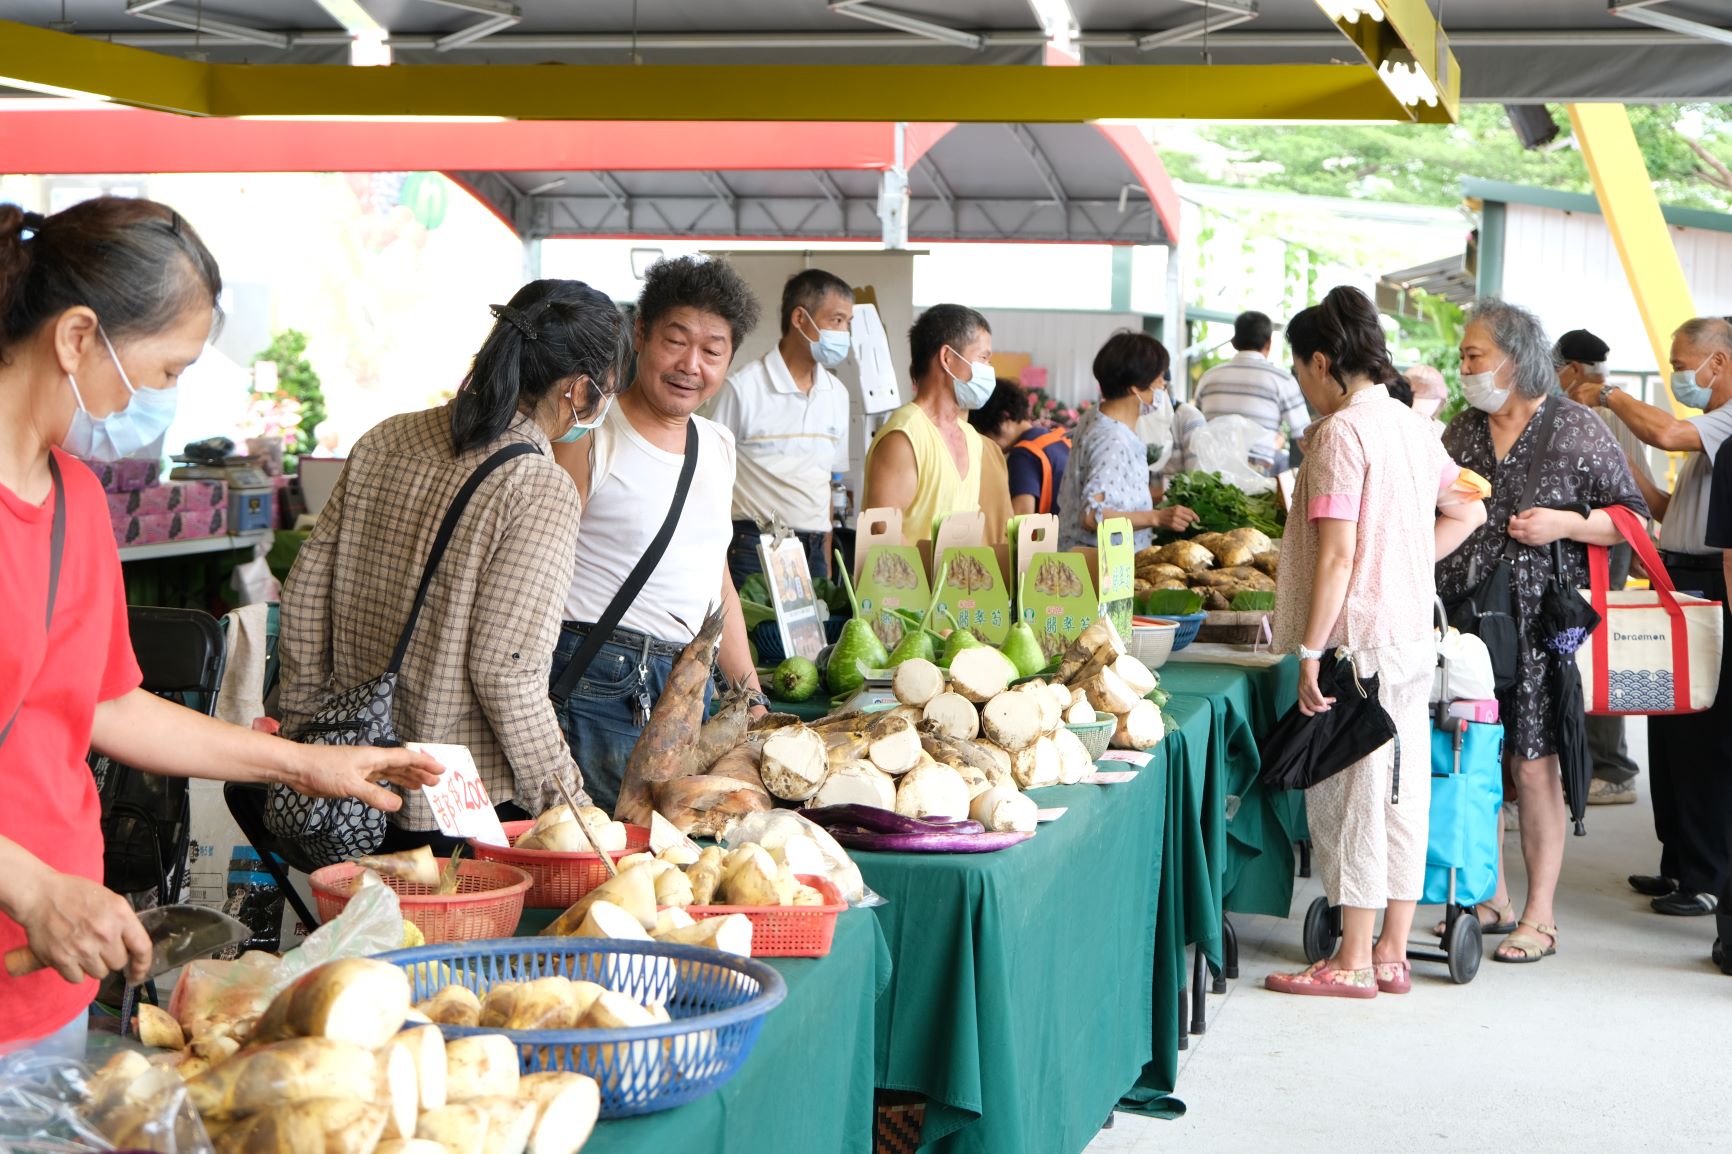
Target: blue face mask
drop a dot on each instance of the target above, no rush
(1687, 392)
(581, 429)
(831, 347)
(146, 416)
(976, 390)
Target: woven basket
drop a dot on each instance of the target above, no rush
(1097, 734)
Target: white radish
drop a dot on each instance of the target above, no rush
(795, 763)
(426, 1049)
(1049, 715)
(917, 681)
(981, 673)
(932, 791)
(566, 1108)
(1036, 766)
(669, 919)
(732, 934)
(954, 715)
(1082, 712)
(859, 783)
(479, 1066)
(1140, 727)
(1003, 809)
(1012, 720)
(1110, 693)
(1136, 675)
(1073, 757)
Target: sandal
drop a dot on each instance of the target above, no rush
(1527, 947)
(1319, 980)
(1503, 920)
(1394, 977)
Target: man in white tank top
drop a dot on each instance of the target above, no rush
(691, 317)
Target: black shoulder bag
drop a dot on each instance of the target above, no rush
(56, 549)
(1488, 610)
(609, 620)
(329, 830)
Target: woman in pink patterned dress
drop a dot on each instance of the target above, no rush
(1372, 510)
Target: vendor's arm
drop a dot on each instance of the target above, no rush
(142, 730)
(1654, 426)
(514, 629)
(735, 655)
(77, 927)
(892, 477)
(305, 644)
(1176, 518)
(1337, 541)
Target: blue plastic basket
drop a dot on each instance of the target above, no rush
(717, 1002)
(1189, 626)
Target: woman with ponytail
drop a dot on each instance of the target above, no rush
(1375, 504)
(475, 673)
(102, 307)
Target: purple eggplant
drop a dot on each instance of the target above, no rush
(870, 819)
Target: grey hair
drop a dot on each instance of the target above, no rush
(1522, 338)
(1707, 334)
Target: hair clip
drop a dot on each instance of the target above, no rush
(516, 320)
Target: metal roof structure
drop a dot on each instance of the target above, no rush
(1523, 52)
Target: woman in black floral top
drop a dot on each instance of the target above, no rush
(1507, 376)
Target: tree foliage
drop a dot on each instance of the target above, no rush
(1688, 149)
(297, 381)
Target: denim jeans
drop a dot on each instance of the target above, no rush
(743, 560)
(600, 717)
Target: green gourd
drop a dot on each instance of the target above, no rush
(857, 646)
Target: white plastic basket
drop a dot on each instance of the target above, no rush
(1152, 643)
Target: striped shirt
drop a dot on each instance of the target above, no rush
(1254, 387)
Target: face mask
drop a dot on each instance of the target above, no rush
(1482, 392)
(1150, 408)
(1687, 392)
(580, 429)
(831, 347)
(977, 389)
(147, 415)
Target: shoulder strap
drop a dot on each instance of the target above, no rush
(56, 549)
(1547, 418)
(447, 527)
(633, 584)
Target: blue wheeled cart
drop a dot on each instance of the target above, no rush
(1461, 849)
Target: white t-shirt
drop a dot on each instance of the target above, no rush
(789, 442)
(624, 513)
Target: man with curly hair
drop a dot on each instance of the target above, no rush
(691, 316)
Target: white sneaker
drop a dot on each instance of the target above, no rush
(1611, 792)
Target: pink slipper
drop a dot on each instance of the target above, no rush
(1395, 977)
(1322, 982)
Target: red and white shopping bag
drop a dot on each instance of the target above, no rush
(1655, 651)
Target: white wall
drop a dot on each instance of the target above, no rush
(1064, 343)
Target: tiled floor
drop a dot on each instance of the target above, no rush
(1621, 1042)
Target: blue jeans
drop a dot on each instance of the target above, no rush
(743, 560)
(600, 717)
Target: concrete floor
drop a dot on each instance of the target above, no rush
(1622, 1041)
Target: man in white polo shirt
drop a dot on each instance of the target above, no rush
(789, 416)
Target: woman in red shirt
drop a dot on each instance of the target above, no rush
(102, 307)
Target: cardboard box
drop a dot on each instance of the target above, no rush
(168, 498)
(1055, 592)
(126, 476)
(973, 590)
(154, 528)
(888, 575)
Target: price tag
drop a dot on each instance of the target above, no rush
(1051, 814)
(459, 800)
(1112, 777)
(1134, 757)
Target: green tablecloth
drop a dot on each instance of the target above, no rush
(807, 1085)
(1256, 858)
(1020, 1002)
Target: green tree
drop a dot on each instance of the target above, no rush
(1688, 149)
(296, 379)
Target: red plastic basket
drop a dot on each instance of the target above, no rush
(488, 902)
(558, 879)
(788, 931)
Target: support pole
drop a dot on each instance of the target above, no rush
(1173, 324)
(1639, 230)
(531, 258)
(893, 194)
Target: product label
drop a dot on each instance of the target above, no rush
(459, 800)
(1110, 777)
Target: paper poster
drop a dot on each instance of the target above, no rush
(1117, 564)
(459, 800)
(800, 616)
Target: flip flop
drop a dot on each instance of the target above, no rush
(1528, 946)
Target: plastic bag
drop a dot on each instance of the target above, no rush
(57, 1106)
(773, 828)
(224, 997)
(253, 581)
(1468, 665)
(1224, 446)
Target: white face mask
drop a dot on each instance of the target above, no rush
(829, 347)
(974, 390)
(1482, 392)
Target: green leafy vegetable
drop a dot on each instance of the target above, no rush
(1171, 603)
(1253, 601)
(1222, 506)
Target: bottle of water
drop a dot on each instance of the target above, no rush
(839, 502)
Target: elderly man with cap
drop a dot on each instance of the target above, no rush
(1580, 360)
(1687, 754)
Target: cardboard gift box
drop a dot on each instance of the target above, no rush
(185, 525)
(128, 476)
(171, 497)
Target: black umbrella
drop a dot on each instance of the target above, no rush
(1565, 622)
(1302, 751)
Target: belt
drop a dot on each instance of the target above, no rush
(754, 527)
(629, 639)
(1698, 561)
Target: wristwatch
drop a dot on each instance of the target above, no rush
(1606, 392)
(1310, 654)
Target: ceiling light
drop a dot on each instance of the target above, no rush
(1406, 81)
(546, 186)
(370, 49)
(1351, 11)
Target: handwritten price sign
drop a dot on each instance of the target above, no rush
(458, 799)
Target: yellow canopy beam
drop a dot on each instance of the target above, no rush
(35, 58)
(1644, 240)
(1409, 25)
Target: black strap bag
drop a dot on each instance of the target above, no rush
(1488, 609)
(329, 830)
